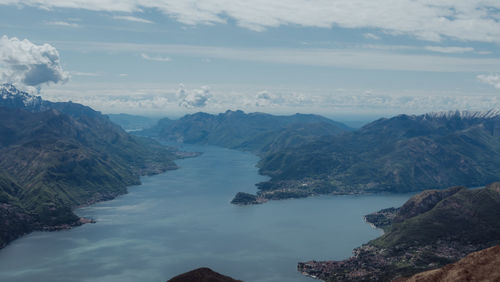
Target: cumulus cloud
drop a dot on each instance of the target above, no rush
(157, 59)
(23, 62)
(428, 20)
(196, 98)
(265, 98)
(491, 79)
(276, 100)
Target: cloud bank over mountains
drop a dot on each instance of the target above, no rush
(24, 62)
(177, 100)
(465, 20)
(196, 98)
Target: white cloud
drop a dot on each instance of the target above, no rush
(157, 59)
(132, 19)
(449, 49)
(371, 36)
(282, 99)
(265, 99)
(196, 98)
(491, 79)
(374, 57)
(21, 61)
(428, 20)
(64, 24)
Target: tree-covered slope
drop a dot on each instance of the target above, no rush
(403, 153)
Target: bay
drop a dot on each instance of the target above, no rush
(182, 219)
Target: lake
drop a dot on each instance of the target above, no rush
(182, 219)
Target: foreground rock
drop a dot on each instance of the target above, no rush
(431, 230)
(478, 266)
(203, 274)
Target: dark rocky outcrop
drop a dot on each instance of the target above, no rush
(245, 199)
(203, 274)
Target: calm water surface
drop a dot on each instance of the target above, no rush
(182, 219)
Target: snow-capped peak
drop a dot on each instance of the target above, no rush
(490, 114)
(11, 96)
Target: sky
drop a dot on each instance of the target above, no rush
(330, 57)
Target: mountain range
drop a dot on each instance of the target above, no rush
(57, 156)
(308, 154)
(400, 154)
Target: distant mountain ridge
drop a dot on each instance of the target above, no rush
(132, 122)
(56, 156)
(257, 132)
(464, 114)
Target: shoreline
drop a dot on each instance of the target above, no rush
(96, 198)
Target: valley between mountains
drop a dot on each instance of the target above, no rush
(308, 155)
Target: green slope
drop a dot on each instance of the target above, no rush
(52, 162)
(430, 230)
(404, 153)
